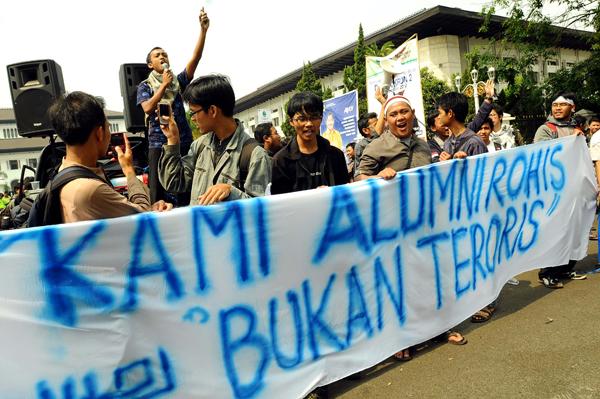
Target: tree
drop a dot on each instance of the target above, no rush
(529, 34)
(372, 50)
(195, 131)
(308, 82)
(583, 78)
(432, 89)
(355, 75)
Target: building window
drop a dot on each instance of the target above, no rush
(32, 162)
(13, 165)
(10, 133)
(276, 121)
(114, 127)
(552, 63)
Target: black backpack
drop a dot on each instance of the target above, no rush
(46, 209)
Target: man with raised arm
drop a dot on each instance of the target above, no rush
(162, 86)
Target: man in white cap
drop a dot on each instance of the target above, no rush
(398, 148)
(559, 124)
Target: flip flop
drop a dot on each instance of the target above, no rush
(462, 341)
(404, 355)
(483, 315)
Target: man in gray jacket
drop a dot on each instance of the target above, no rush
(216, 167)
(559, 124)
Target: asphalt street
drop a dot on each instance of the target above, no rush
(541, 343)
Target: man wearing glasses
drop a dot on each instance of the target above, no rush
(225, 163)
(308, 161)
(559, 124)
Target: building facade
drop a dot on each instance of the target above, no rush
(16, 151)
(445, 36)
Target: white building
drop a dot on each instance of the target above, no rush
(16, 151)
(445, 36)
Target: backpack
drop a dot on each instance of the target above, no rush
(46, 209)
(244, 163)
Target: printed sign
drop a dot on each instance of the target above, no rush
(271, 297)
(263, 116)
(397, 73)
(340, 120)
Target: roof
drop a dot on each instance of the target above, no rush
(21, 144)
(8, 115)
(436, 21)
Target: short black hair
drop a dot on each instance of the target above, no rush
(595, 118)
(352, 144)
(261, 130)
(75, 115)
(457, 102)
(363, 123)
(211, 90)
(305, 102)
(431, 118)
(150, 53)
(498, 108)
(488, 121)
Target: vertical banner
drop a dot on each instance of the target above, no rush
(397, 73)
(340, 119)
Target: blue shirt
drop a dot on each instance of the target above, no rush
(156, 138)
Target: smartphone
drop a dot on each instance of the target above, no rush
(164, 113)
(117, 140)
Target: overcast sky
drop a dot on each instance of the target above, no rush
(253, 42)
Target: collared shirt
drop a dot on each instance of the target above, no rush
(195, 171)
(156, 138)
(388, 151)
(91, 199)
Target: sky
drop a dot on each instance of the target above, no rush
(253, 42)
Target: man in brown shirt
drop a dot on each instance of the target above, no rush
(396, 149)
(79, 120)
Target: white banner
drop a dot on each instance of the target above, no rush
(397, 73)
(274, 296)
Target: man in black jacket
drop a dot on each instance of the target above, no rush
(308, 161)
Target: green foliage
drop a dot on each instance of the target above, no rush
(195, 131)
(308, 82)
(372, 50)
(432, 88)
(528, 35)
(583, 79)
(355, 76)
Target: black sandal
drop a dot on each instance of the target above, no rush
(483, 315)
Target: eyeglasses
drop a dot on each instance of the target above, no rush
(560, 105)
(192, 113)
(305, 118)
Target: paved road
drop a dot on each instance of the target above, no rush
(541, 343)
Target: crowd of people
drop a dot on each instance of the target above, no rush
(225, 163)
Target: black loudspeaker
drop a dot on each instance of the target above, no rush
(130, 76)
(34, 85)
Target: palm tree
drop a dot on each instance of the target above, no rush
(372, 50)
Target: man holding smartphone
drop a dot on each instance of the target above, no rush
(80, 122)
(159, 95)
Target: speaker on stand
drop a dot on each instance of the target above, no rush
(130, 76)
(34, 85)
